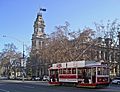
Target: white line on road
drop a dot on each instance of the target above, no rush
(4, 90)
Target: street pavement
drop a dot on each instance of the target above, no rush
(43, 86)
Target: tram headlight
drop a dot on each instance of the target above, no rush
(105, 79)
(99, 79)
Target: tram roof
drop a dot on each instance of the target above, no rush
(75, 64)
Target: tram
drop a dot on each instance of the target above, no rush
(80, 73)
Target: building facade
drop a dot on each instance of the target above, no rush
(38, 37)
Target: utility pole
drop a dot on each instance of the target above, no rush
(119, 53)
(23, 63)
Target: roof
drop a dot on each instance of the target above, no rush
(74, 64)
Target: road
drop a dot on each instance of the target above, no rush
(19, 86)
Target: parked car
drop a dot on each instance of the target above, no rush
(35, 78)
(116, 80)
(3, 78)
(45, 78)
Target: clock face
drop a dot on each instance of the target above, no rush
(40, 18)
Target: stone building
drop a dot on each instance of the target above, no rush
(107, 52)
(38, 37)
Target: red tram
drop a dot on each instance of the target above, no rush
(80, 73)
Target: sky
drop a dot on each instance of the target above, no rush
(17, 16)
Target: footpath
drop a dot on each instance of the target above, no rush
(29, 82)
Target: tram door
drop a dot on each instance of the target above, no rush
(93, 75)
(54, 75)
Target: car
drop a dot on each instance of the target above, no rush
(45, 78)
(116, 80)
(3, 78)
(35, 78)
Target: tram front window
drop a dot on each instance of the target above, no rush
(105, 71)
(102, 71)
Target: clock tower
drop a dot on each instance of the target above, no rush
(38, 35)
(38, 38)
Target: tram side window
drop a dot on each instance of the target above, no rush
(80, 71)
(64, 71)
(73, 71)
(60, 71)
(69, 71)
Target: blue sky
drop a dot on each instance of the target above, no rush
(17, 16)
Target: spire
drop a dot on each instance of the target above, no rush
(39, 24)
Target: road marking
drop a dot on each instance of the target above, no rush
(4, 90)
(29, 86)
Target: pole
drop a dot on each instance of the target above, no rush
(119, 54)
(23, 64)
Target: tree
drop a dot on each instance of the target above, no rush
(64, 46)
(9, 58)
(110, 40)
